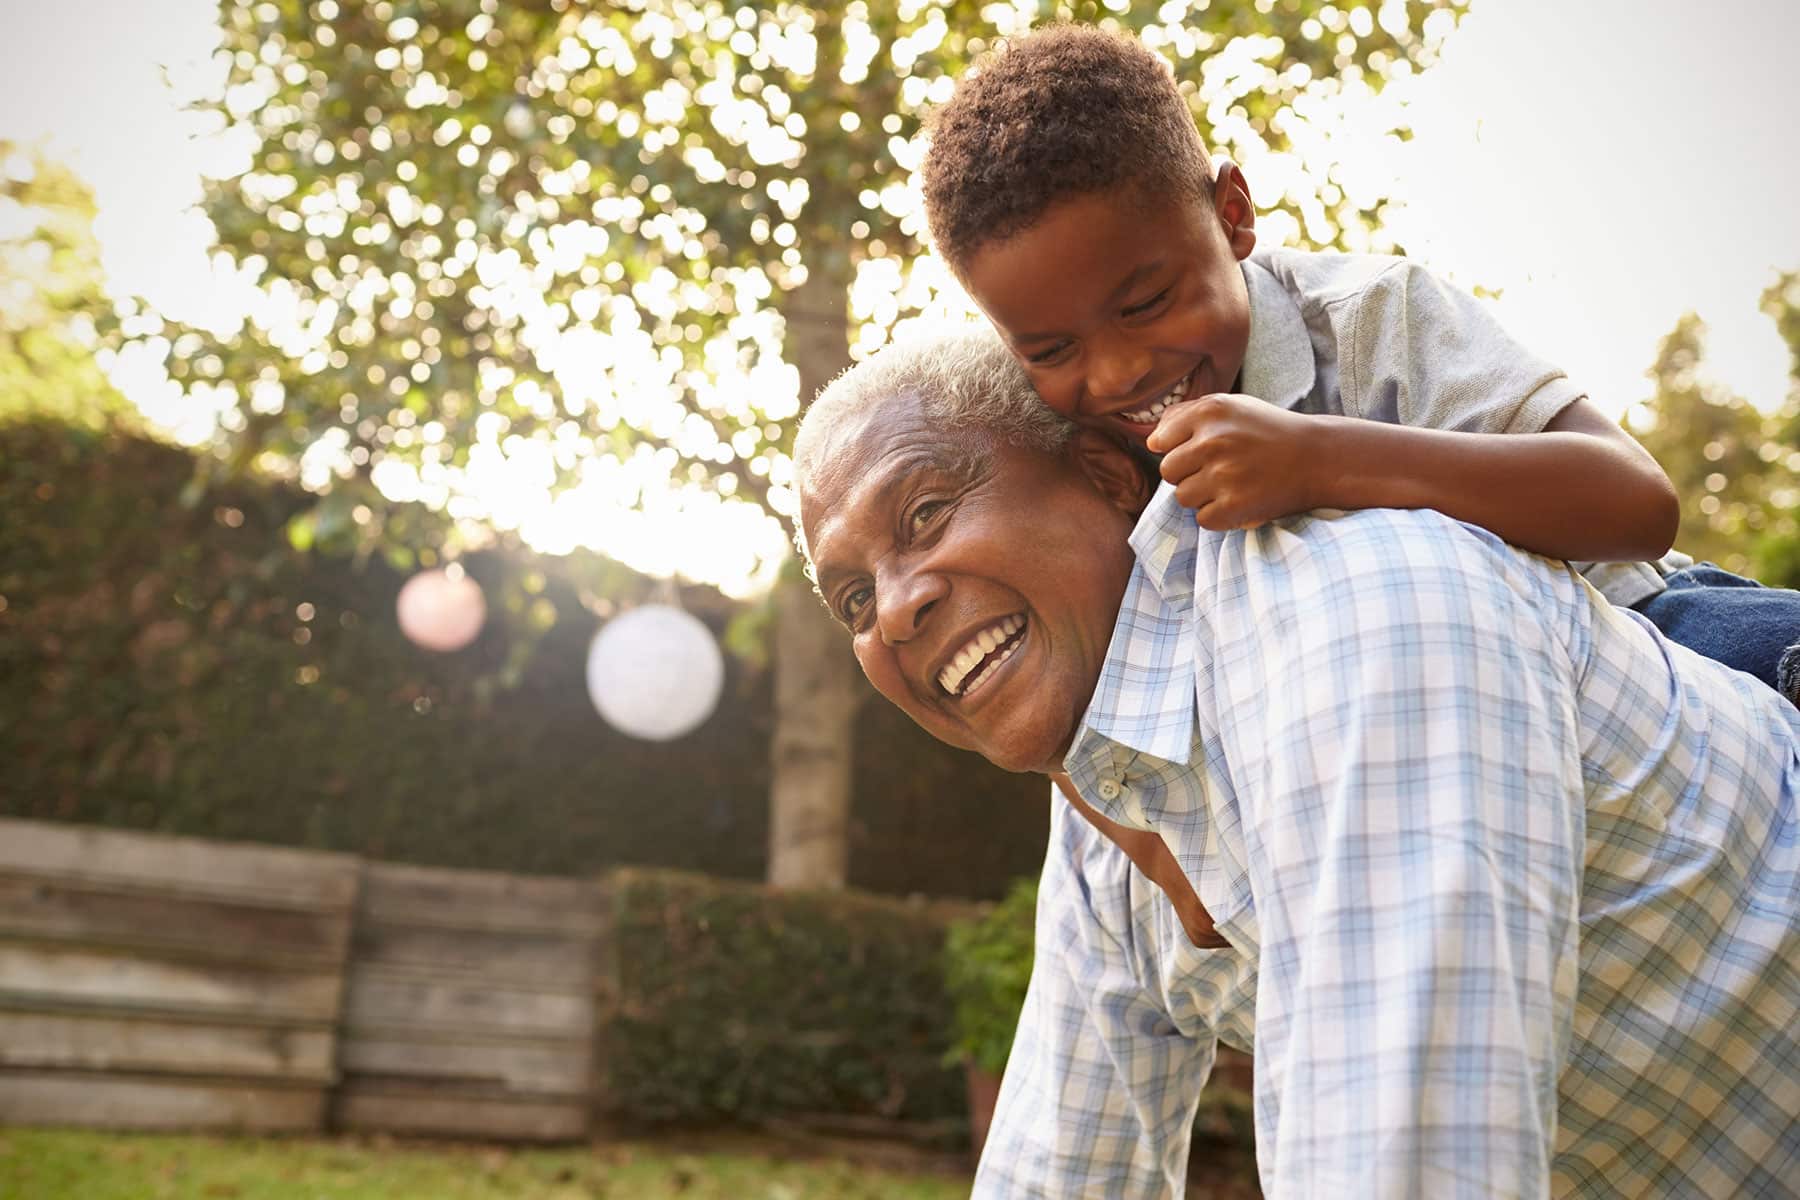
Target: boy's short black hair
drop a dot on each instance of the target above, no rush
(1065, 111)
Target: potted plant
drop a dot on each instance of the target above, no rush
(987, 966)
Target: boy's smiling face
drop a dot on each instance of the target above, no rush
(1119, 307)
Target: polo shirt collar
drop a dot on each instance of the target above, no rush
(1278, 361)
(1144, 699)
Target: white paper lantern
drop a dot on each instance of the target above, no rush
(441, 609)
(655, 672)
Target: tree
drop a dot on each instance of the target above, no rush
(1778, 550)
(1732, 466)
(53, 311)
(572, 232)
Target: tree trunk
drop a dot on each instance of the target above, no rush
(815, 712)
(815, 674)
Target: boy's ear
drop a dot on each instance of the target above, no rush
(1234, 208)
(1121, 476)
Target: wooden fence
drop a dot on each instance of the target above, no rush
(156, 982)
(471, 1005)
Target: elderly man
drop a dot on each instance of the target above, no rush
(1504, 885)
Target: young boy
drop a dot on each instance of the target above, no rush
(1068, 189)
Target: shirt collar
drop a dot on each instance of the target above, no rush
(1144, 699)
(1278, 361)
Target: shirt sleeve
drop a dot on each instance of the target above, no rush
(1407, 763)
(1101, 1088)
(1417, 351)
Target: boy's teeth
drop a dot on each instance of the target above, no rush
(1146, 416)
(956, 674)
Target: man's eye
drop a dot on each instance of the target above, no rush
(923, 513)
(853, 601)
(1150, 305)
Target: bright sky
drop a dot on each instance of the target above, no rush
(1606, 165)
(1609, 165)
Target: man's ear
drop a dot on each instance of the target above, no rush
(1234, 208)
(1120, 476)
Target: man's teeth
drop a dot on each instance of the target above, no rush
(954, 676)
(1149, 416)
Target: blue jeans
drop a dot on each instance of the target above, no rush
(1734, 620)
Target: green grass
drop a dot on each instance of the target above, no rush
(39, 1164)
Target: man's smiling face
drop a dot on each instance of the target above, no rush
(1118, 308)
(979, 581)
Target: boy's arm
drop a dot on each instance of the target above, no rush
(1435, 378)
(1581, 489)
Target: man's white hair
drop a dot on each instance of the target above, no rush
(964, 379)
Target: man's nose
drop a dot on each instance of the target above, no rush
(903, 600)
(1116, 368)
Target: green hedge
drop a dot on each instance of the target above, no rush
(735, 1003)
(731, 1003)
(987, 966)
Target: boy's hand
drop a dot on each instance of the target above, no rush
(1237, 461)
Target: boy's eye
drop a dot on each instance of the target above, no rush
(1044, 358)
(1138, 310)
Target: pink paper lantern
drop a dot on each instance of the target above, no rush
(441, 610)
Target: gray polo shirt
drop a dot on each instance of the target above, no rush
(1384, 339)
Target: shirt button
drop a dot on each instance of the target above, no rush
(1109, 789)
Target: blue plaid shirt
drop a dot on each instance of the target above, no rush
(1510, 884)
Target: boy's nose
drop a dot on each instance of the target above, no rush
(1116, 370)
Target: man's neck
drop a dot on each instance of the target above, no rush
(1151, 855)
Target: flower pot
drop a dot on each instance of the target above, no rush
(984, 1091)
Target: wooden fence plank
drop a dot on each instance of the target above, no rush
(396, 893)
(114, 1101)
(435, 1111)
(547, 961)
(141, 981)
(270, 874)
(561, 1067)
(95, 913)
(106, 1042)
(382, 997)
